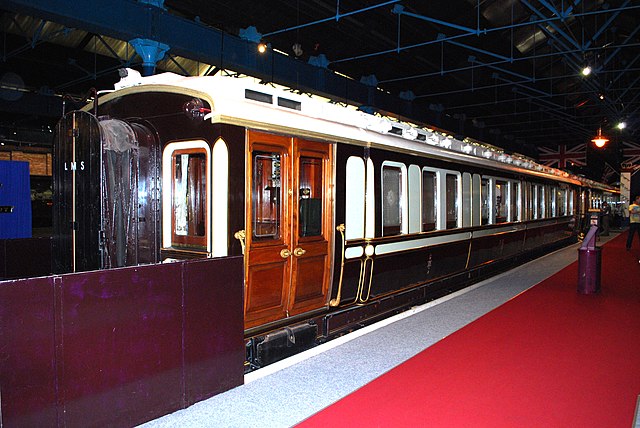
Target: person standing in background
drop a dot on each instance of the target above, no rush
(605, 218)
(634, 220)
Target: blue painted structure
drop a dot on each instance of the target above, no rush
(15, 200)
(126, 20)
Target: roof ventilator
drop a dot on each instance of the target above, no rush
(258, 96)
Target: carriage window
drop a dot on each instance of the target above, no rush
(502, 194)
(562, 202)
(452, 200)
(551, 201)
(189, 201)
(484, 190)
(514, 214)
(536, 203)
(429, 201)
(310, 195)
(392, 178)
(571, 202)
(354, 198)
(266, 195)
(541, 203)
(524, 201)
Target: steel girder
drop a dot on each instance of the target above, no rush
(127, 20)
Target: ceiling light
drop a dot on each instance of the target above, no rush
(601, 96)
(586, 71)
(600, 140)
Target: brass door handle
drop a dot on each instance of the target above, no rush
(241, 236)
(285, 253)
(298, 252)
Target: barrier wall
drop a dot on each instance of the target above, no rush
(119, 347)
(23, 258)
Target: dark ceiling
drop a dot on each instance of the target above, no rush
(507, 72)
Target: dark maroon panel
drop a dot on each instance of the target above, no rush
(403, 269)
(533, 238)
(494, 247)
(27, 368)
(122, 345)
(513, 243)
(483, 250)
(23, 258)
(214, 335)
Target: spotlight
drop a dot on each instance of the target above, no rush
(262, 48)
(601, 96)
(586, 71)
(622, 125)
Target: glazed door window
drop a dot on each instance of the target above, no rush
(310, 196)
(501, 201)
(562, 202)
(536, 202)
(189, 201)
(485, 201)
(429, 200)
(452, 200)
(553, 195)
(514, 192)
(266, 195)
(392, 177)
(550, 195)
(541, 202)
(571, 202)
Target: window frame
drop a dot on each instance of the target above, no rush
(458, 199)
(168, 215)
(402, 198)
(436, 201)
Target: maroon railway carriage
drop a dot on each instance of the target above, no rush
(209, 221)
(342, 217)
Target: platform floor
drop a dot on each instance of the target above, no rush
(287, 392)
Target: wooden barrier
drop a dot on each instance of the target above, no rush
(119, 347)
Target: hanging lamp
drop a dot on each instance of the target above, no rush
(600, 140)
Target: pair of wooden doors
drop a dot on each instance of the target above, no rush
(288, 227)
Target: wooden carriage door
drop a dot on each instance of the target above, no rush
(311, 210)
(287, 255)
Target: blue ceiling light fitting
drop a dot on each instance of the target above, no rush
(151, 52)
(370, 80)
(250, 34)
(319, 61)
(407, 95)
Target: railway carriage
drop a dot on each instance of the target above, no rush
(343, 217)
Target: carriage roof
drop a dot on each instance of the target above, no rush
(245, 101)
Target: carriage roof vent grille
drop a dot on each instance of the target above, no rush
(395, 130)
(294, 105)
(258, 96)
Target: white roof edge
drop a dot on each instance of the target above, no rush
(340, 122)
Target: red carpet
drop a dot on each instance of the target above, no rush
(550, 357)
